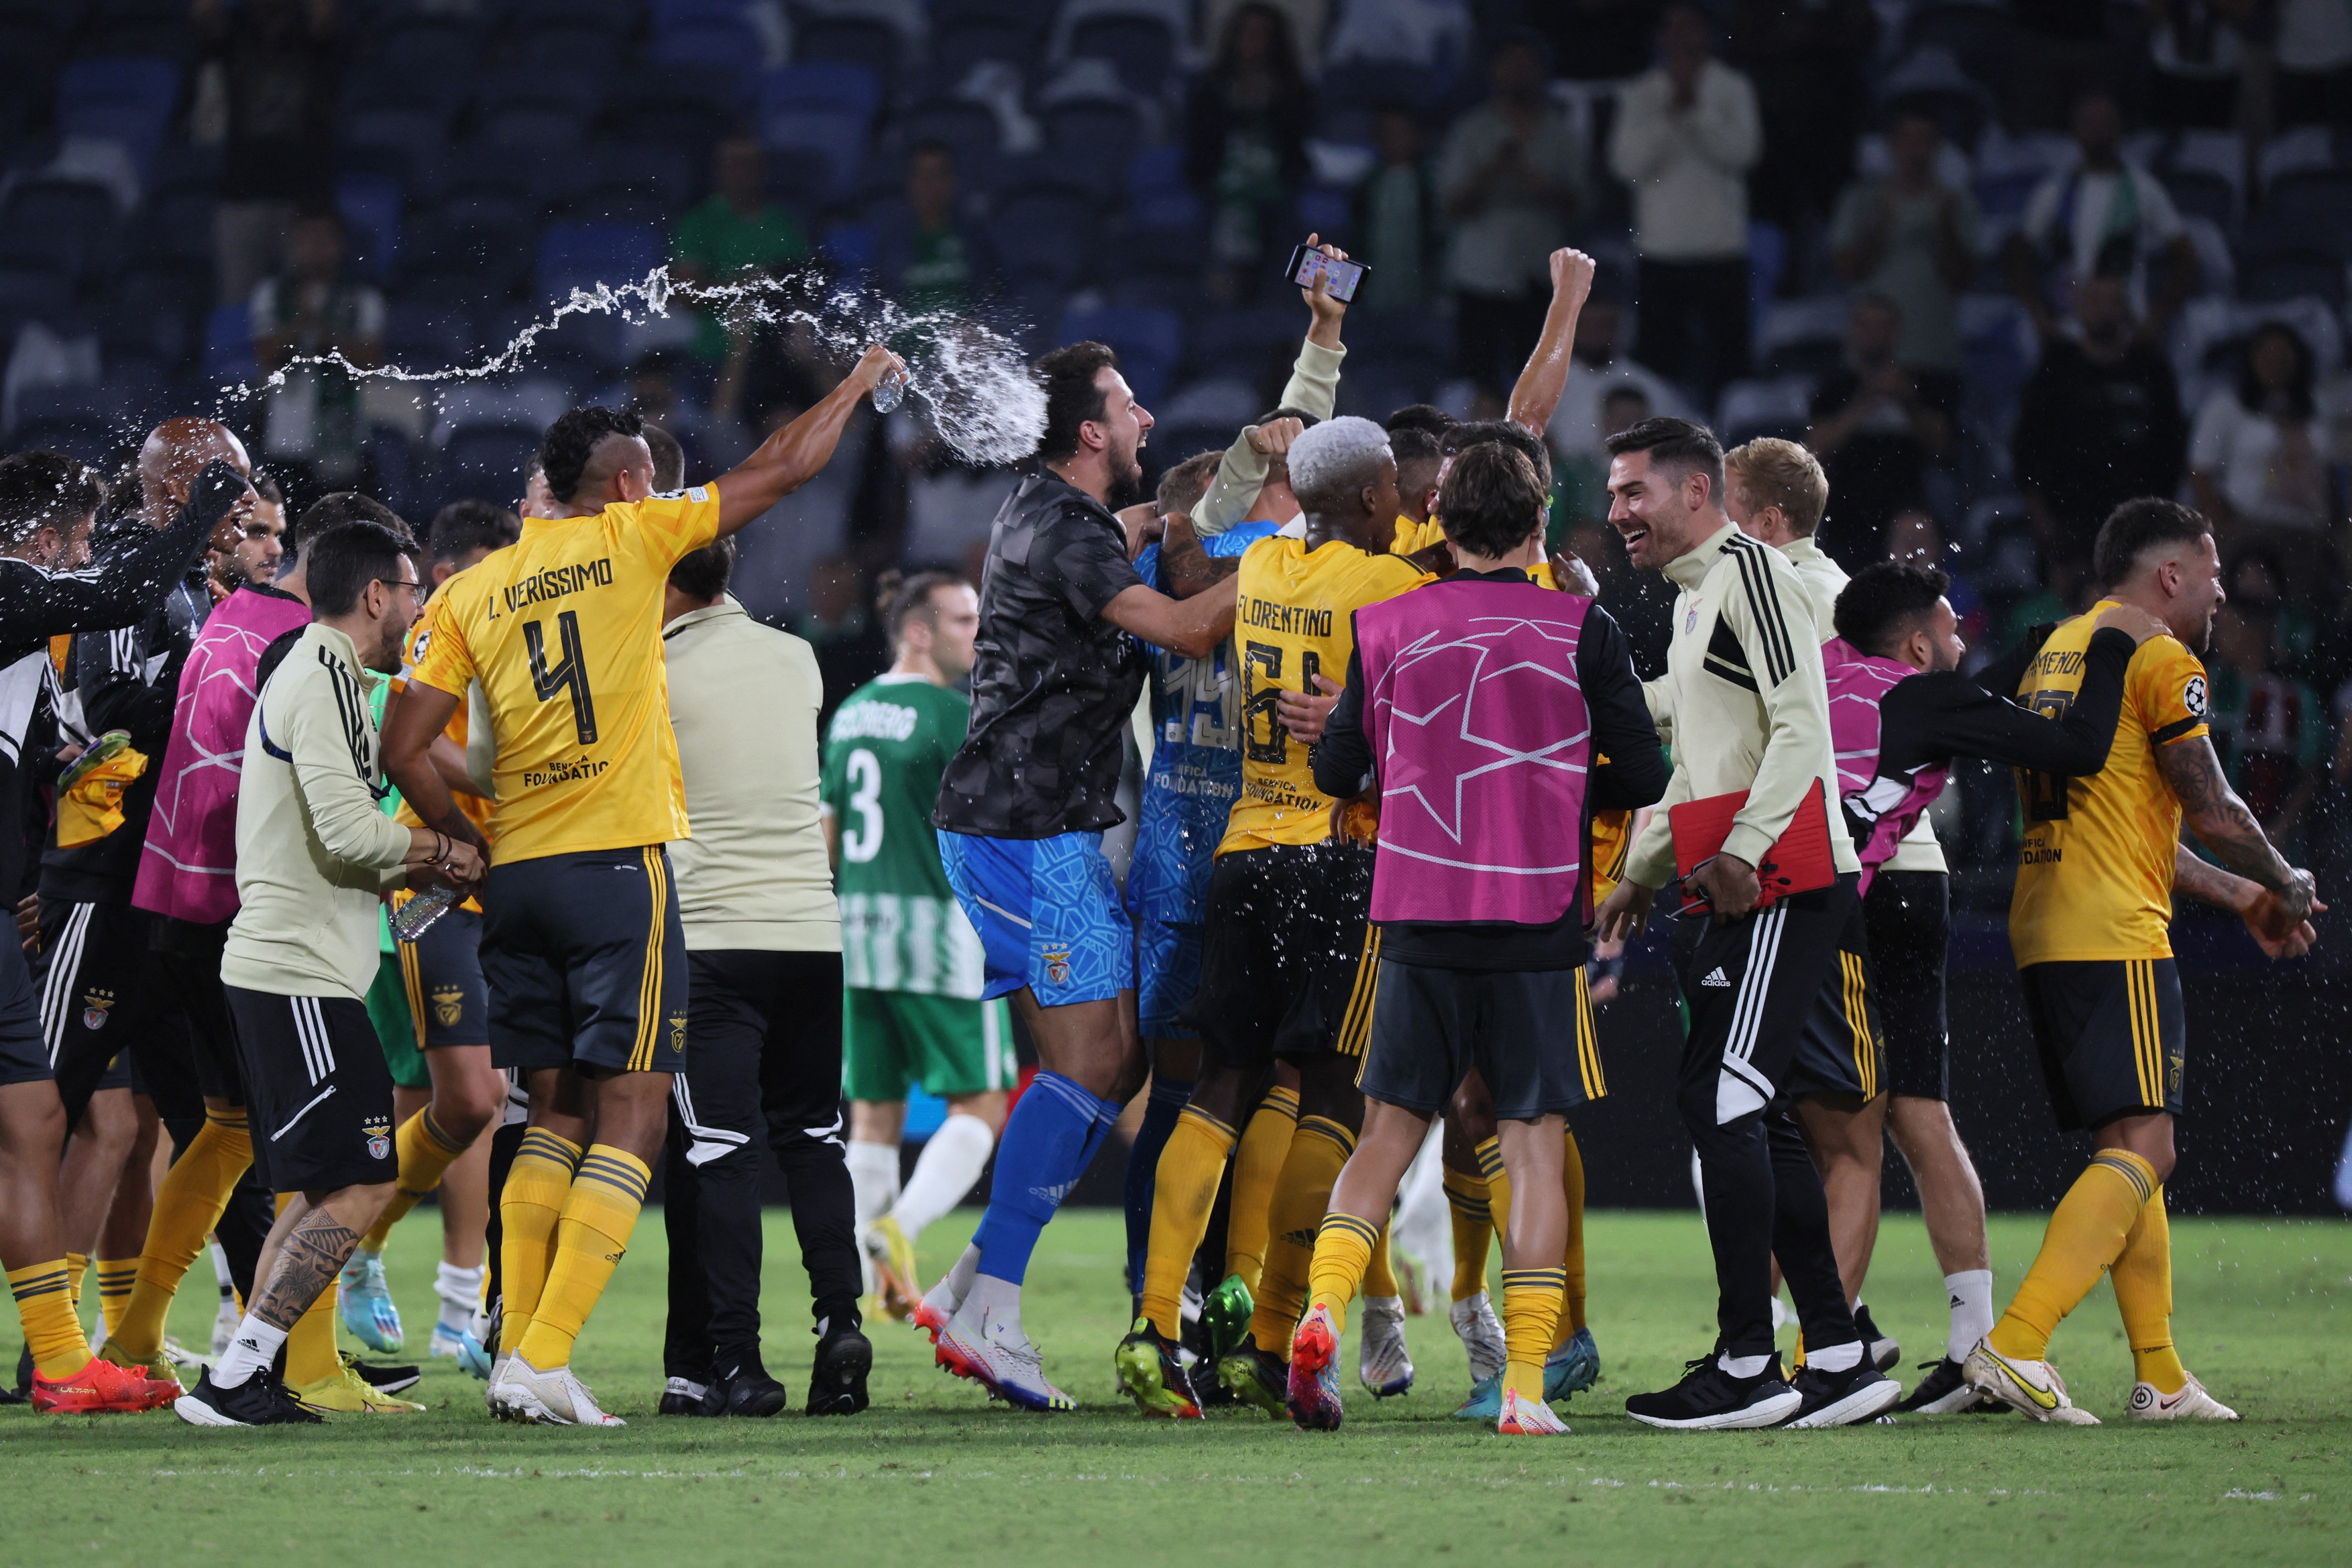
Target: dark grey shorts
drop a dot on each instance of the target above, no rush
(1528, 1033)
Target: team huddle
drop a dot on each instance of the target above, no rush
(1405, 795)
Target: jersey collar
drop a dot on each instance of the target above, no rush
(1687, 571)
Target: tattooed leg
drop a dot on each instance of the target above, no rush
(313, 1238)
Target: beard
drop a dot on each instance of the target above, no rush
(1126, 484)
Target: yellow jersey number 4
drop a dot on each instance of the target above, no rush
(567, 674)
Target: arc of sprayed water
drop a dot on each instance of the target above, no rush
(984, 402)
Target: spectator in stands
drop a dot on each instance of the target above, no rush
(1303, 19)
(1511, 174)
(653, 394)
(774, 372)
(2271, 730)
(2312, 45)
(1878, 425)
(850, 649)
(1807, 64)
(1913, 239)
(926, 251)
(2104, 217)
(1597, 372)
(1436, 36)
(737, 231)
(2257, 581)
(2258, 459)
(2196, 54)
(277, 64)
(313, 430)
(1580, 482)
(2099, 422)
(1687, 135)
(1398, 231)
(2061, 47)
(1916, 535)
(1600, 40)
(1245, 133)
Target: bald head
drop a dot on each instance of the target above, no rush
(176, 453)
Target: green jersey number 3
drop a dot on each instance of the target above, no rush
(861, 837)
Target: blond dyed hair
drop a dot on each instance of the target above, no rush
(1773, 472)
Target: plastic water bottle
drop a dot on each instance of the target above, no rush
(890, 391)
(416, 917)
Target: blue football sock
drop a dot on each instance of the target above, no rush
(1047, 1142)
(1159, 1113)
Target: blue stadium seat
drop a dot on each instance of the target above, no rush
(534, 131)
(403, 140)
(617, 17)
(431, 62)
(62, 224)
(2315, 205)
(725, 45)
(1243, 342)
(370, 206)
(1139, 49)
(487, 461)
(818, 136)
(566, 55)
(968, 131)
(847, 87)
(573, 255)
(228, 346)
(30, 293)
(1150, 344)
(127, 99)
(2198, 192)
(1045, 234)
(488, 233)
(87, 440)
(2292, 275)
(422, 333)
(153, 308)
(1977, 36)
(858, 41)
(32, 46)
(1090, 140)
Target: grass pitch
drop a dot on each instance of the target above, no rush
(934, 1474)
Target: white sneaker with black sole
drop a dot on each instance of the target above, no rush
(1710, 1399)
(1860, 1393)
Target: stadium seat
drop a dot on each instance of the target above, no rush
(427, 60)
(153, 308)
(63, 224)
(370, 208)
(1802, 337)
(487, 461)
(2304, 150)
(71, 402)
(1150, 344)
(726, 46)
(1091, 140)
(964, 34)
(1244, 342)
(861, 42)
(30, 293)
(87, 440)
(847, 87)
(616, 17)
(403, 140)
(423, 334)
(968, 130)
(2292, 275)
(2314, 205)
(1142, 49)
(126, 99)
(2202, 193)
(575, 255)
(534, 131)
(818, 138)
(489, 233)
(1043, 233)
(1977, 38)
(1778, 406)
(32, 46)
(228, 346)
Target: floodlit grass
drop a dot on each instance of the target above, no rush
(934, 1474)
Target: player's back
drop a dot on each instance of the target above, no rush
(1293, 621)
(563, 630)
(2094, 870)
(901, 928)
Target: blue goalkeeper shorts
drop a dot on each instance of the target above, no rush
(1048, 914)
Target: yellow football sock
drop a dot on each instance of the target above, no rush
(1344, 1247)
(1301, 1197)
(115, 1279)
(1531, 1298)
(45, 1306)
(77, 1264)
(1183, 1190)
(2142, 1276)
(1473, 1231)
(1380, 1276)
(1257, 1164)
(2086, 1235)
(529, 1210)
(425, 1152)
(598, 1215)
(1571, 1186)
(188, 1203)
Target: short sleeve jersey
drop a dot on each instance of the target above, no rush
(1412, 538)
(476, 810)
(901, 928)
(564, 631)
(1054, 683)
(1295, 620)
(2095, 873)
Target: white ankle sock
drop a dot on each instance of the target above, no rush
(1743, 1365)
(966, 1270)
(1971, 1291)
(873, 1178)
(459, 1289)
(948, 1166)
(991, 1301)
(1835, 1358)
(250, 1350)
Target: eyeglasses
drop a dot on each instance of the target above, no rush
(411, 583)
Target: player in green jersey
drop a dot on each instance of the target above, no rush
(910, 960)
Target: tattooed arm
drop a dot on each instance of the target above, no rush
(1185, 566)
(2275, 900)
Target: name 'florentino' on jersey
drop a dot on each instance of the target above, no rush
(564, 631)
(2094, 872)
(1295, 622)
(901, 928)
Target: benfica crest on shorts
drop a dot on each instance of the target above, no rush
(95, 1007)
(378, 1133)
(1058, 965)
(448, 1006)
(677, 1031)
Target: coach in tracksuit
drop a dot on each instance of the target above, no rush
(764, 1010)
(1751, 715)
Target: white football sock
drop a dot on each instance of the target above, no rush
(1971, 1291)
(966, 1270)
(947, 1169)
(874, 1178)
(459, 1289)
(991, 1302)
(1743, 1365)
(1835, 1358)
(220, 1270)
(250, 1350)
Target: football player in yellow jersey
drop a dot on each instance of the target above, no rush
(440, 1144)
(581, 942)
(2095, 877)
(1284, 935)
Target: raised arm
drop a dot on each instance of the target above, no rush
(1190, 627)
(797, 453)
(133, 575)
(1313, 389)
(1536, 392)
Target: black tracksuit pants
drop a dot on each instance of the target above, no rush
(763, 1049)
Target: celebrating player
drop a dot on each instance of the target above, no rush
(580, 942)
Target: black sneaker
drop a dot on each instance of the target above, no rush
(684, 1396)
(1885, 1352)
(385, 1379)
(24, 1375)
(259, 1401)
(1842, 1398)
(1710, 1399)
(1946, 1391)
(837, 1380)
(749, 1391)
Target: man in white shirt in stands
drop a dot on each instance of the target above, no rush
(2101, 218)
(314, 856)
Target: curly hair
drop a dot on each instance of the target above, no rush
(571, 441)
